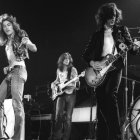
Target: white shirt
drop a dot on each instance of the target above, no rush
(108, 43)
(11, 56)
(62, 78)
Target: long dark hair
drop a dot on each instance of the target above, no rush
(107, 11)
(61, 65)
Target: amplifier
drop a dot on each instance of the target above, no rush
(79, 115)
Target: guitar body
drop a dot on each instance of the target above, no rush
(56, 92)
(94, 78)
(60, 88)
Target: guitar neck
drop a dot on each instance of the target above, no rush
(70, 81)
(120, 54)
(74, 79)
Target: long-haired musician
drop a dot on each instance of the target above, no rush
(109, 40)
(16, 44)
(65, 100)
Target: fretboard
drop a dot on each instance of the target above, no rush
(118, 55)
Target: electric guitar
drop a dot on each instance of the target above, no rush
(58, 89)
(95, 77)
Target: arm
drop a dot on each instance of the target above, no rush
(129, 41)
(97, 65)
(88, 50)
(32, 47)
(77, 82)
(56, 80)
(74, 74)
(89, 53)
(137, 43)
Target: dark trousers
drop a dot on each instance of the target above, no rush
(108, 127)
(63, 115)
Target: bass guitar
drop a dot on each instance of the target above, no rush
(95, 77)
(59, 88)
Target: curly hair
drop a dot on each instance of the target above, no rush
(107, 11)
(18, 32)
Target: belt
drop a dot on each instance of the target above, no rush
(17, 66)
(14, 67)
(11, 69)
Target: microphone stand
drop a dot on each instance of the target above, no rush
(126, 87)
(126, 132)
(132, 99)
(125, 101)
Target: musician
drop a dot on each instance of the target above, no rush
(16, 44)
(66, 101)
(109, 38)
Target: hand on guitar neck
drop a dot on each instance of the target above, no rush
(136, 45)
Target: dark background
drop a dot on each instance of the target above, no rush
(57, 27)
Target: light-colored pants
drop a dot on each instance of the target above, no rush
(16, 78)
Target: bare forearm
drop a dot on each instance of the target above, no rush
(32, 47)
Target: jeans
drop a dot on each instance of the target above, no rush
(63, 116)
(14, 81)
